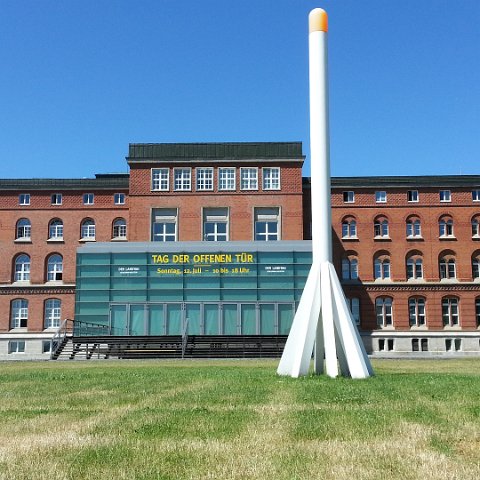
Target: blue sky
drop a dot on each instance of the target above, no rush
(81, 79)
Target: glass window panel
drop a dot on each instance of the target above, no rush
(248, 319)
(118, 316)
(285, 318)
(137, 320)
(229, 321)
(156, 320)
(210, 315)
(267, 319)
(174, 319)
(192, 315)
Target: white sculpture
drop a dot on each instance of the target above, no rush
(323, 320)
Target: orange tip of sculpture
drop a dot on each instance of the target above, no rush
(318, 20)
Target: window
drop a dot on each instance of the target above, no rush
(24, 199)
(215, 224)
(88, 198)
(226, 178)
(160, 179)
(445, 225)
(56, 199)
(381, 196)
(87, 230)
(447, 267)
(450, 314)
(412, 196)
(445, 196)
(22, 268)
(52, 313)
(382, 267)
(414, 228)
(383, 308)
(16, 346)
(419, 344)
(414, 267)
(385, 344)
(349, 197)
(46, 346)
(249, 178)
(55, 230)
(119, 199)
(267, 222)
(182, 179)
(205, 178)
(24, 229)
(477, 311)
(416, 311)
(354, 305)
(475, 227)
(119, 228)
(380, 227)
(476, 195)
(271, 178)
(164, 225)
(19, 313)
(349, 228)
(350, 268)
(54, 268)
(453, 344)
(476, 267)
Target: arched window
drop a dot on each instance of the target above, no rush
(450, 312)
(382, 266)
(24, 229)
(350, 267)
(380, 227)
(447, 266)
(384, 311)
(354, 304)
(19, 313)
(414, 227)
(53, 311)
(476, 226)
(476, 266)
(416, 311)
(445, 226)
(54, 268)
(119, 228)
(55, 229)
(22, 268)
(477, 311)
(88, 229)
(349, 227)
(414, 266)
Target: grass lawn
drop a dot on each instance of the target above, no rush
(416, 419)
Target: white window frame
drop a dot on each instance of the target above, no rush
(476, 268)
(227, 178)
(215, 217)
(348, 196)
(55, 229)
(414, 228)
(475, 227)
(349, 228)
(448, 268)
(19, 313)
(119, 229)
(384, 311)
(414, 268)
(413, 196)
(450, 312)
(248, 178)
(381, 196)
(204, 179)
(54, 268)
(23, 230)
(56, 199)
(350, 268)
(52, 313)
(119, 198)
(182, 179)
(24, 199)
(22, 269)
(160, 179)
(162, 217)
(475, 195)
(445, 228)
(382, 269)
(88, 229)
(445, 196)
(354, 307)
(271, 178)
(417, 312)
(381, 228)
(267, 216)
(88, 198)
(16, 346)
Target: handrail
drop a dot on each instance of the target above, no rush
(184, 337)
(60, 335)
(97, 328)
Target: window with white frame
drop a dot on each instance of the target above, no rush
(412, 196)
(450, 312)
(204, 178)
(380, 227)
(24, 199)
(87, 229)
(215, 224)
(19, 313)
(226, 178)
(414, 227)
(384, 311)
(416, 311)
(160, 179)
(24, 229)
(447, 267)
(88, 198)
(414, 267)
(381, 196)
(382, 267)
(445, 227)
(476, 266)
(477, 311)
(249, 178)
(46, 346)
(119, 198)
(267, 223)
(476, 195)
(349, 196)
(53, 313)
(55, 229)
(182, 178)
(16, 346)
(22, 268)
(119, 230)
(54, 268)
(164, 224)
(56, 199)
(475, 227)
(271, 178)
(445, 196)
(350, 268)
(354, 305)
(349, 228)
